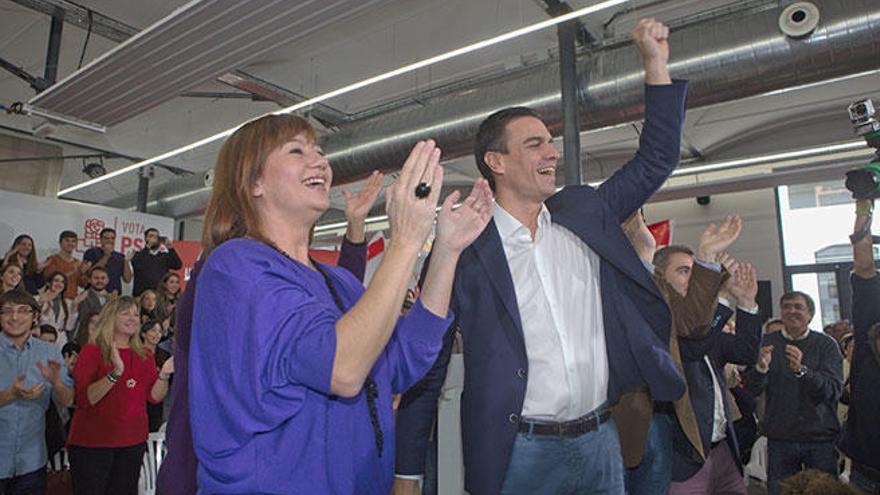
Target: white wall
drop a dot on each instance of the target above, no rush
(759, 242)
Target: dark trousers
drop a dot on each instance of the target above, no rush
(33, 483)
(107, 471)
(786, 458)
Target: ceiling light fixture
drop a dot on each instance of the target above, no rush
(776, 157)
(361, 84)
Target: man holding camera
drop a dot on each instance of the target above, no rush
(152, 262)
(861, 435)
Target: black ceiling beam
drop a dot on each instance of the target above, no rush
(53, 51)
(18, 72)
(82, 17)
(556, 8)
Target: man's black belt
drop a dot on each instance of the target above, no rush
(566, 429)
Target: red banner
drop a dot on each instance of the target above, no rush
(662, 232)
(189, 252)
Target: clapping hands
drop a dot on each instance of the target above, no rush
(409, 216)
(26, 393)
(716, 239)
(458, 228)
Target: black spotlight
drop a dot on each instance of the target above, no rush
(703, 200)
(94, 169)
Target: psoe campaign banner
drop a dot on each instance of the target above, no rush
(44, 218)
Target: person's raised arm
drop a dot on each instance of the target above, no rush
(363, 331)
(126, 266)
(456, 230)
(863, 249)
(160, 387)
(357, 206)
(101, 387)
(353, 253)
(652, 39)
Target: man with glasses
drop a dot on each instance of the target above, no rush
(801, 372)
(30, 371)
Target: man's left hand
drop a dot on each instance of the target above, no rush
(652, 39)
(51, 371)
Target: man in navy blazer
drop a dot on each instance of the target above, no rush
(557, 313)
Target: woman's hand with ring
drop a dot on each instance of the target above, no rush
(410, 217)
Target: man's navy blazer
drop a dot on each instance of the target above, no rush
(722, 348)
(637, 319)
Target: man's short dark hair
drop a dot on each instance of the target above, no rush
(151, 229)
(492, 136)
(48, 329)
(67, 234)
(106, 230)
(661, 257)
(149, 324)
(70, 348)
(98, 269)
(788, 296)
(18, 296)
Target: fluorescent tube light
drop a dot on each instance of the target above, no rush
(361, 84)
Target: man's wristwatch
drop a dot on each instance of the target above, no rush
(801, 371)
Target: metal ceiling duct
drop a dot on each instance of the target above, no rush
(194, 44)
(725, 57)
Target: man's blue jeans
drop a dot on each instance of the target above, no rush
(590, 463)
(653, 475)
(786, 458)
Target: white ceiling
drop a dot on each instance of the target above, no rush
(394, 34)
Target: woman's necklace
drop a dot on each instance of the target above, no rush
(131, 382)
(371, 390)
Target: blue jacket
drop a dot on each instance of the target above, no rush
(637, 319)
(721, 348)
(861, 433)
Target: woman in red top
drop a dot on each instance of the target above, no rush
(113, 379)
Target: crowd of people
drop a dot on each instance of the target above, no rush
(69, 337)
(594, 362)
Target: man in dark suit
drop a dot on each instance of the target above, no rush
(691, 290)
(554, 307)
(706, 459)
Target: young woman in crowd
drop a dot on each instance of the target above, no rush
(293, 359)
(24, 254)
(168, 294)
(10, 277)
(57, 310)
(151, 333)
(86, 329)
(114, 378)
(149, 304)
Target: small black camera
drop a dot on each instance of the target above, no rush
(864, 118)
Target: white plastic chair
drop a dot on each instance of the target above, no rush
(153, 457)
(757, 466)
